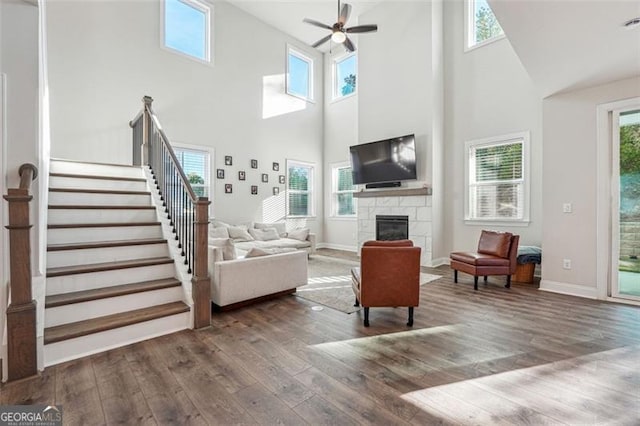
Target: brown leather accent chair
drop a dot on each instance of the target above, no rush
(388, 276)
(496, 255)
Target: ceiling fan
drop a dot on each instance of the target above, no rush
(338, 31)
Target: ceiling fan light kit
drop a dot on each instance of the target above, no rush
(338, 31)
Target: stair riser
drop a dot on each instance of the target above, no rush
(94, 280)
(71, 216)
(67, 350)
(85, 183)
(114, 305)
(94, 169)
(103, 255)
(111, 233)
(85, 198)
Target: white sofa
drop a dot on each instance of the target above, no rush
(237, 282)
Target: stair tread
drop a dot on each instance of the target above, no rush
(105, 244)
(99, 207)
(95, 163)
(74, 175)
(101, 225)
(99, 191)
(106, 292)
(107, 266)
(109, 322)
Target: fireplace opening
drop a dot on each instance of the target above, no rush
(392, 228)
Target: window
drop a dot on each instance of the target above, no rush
(498, 179)
(481, 27)
(195, 164)
(344, 76)
(187, 28)
(300, 189)
(299, 74)
(343, 203)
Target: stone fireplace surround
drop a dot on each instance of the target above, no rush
(417, 207)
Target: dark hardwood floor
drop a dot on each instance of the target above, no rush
(495, 356)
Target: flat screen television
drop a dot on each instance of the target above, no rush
(387, 160)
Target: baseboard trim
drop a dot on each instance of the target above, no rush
(337, 247)
(439, 262)
(569, 289)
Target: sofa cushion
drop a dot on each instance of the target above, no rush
(479, 259)
(299, 234)
(264, 234)
(495, 243)
(286, 242)
(255, 251)
(226, 244)
(219, 224)
(281, 227)
(239, 233)
(218, 232)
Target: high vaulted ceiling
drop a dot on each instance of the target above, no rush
(287, 15)
(570, 44)
(563, 44)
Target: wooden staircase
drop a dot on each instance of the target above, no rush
(110, 277)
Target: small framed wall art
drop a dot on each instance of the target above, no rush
(276, 167)
(220, 173)
(242, 175)
(228, 188)
(265, 178)
(254, 189)
(254, 164)
(276, 190)
(281, 179)
(228, 160)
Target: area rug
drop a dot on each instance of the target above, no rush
(330, 283)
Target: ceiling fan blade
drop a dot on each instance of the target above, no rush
(321, 41)
(362, 29)
(344, 13)
(349, 45)
(316, 23)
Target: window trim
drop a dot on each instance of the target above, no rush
(299, 53)
(311, 191)
(335, 167)
(334, 76)
(526, 177)
(469, 29)
(207, 8)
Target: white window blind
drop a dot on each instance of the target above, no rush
(196, 166)
(343, 201)
(299, 189)
(497, 187)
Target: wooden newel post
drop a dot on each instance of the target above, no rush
(21, 312)
(146, 129)
(201, 282)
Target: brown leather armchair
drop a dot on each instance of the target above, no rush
(388, 276)
(496, 255)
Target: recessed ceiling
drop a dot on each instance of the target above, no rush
(566, 45)
(287, 15)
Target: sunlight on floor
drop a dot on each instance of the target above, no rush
(275, 101)
(390, 337)
(334, 279)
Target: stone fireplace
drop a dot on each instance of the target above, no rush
(414, 204)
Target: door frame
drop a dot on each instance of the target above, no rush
(606, 189)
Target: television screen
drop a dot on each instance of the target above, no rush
(388, 160)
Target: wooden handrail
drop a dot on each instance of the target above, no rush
(188, 213)
(21, 312)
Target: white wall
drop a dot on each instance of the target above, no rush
(97, 80)
(570, 164)
(487, 93)
(340, 132)
(19, 62)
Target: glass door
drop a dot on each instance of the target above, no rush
(625, 282)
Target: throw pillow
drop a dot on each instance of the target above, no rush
(299, 234)
(255, 251)
(218, 232)
(281, 227)
(239, 233)
(266, 234)
(226, 245)
(219, 223)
